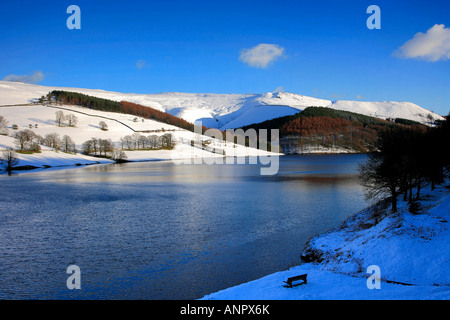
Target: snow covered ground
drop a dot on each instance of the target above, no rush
(225, 110)
(48, 157)
(408, 248)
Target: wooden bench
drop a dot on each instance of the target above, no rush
(294, 279)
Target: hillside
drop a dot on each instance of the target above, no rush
(95, 103)
(327, 130)
(225, 111)
(121, 127)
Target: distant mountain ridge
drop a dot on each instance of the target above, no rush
(224, 111)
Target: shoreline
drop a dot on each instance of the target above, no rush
(411, 251)
(32, 166)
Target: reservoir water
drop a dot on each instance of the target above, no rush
(159, 230)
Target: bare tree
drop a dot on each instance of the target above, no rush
(52, 140)
(72, 120)
(3, 126)
(153, 141)
(103, 125)
(142, 140)
(128, 142)
(95, 145)
(87, 147)
(105, 146)
(9, 157)
(135, 136)
(67, 144)
(166, 140)
(119, 156)
(381, 176)
(59, 117)
(24, 138)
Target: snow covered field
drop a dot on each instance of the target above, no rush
(408, 248)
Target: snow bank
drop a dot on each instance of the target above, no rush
(324, 285)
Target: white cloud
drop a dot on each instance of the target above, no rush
(279, 89)
(140, 64)
(432, 45)
(35, 77)
(261, 55)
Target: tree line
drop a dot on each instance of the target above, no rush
(328, 127)
(28, 140)
(153, 114)
(408, 158)
(101, 104)
(84, 100)
(138, 141)
(331, 132)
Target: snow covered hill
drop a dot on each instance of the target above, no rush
(18, 112)
(225, 111)
(41, 120)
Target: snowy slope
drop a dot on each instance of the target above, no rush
(86, 128)
(48, 157)
(386, 109)
(409, 249)
(325, 285)
(225, 110)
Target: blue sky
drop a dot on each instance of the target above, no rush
(317, 48)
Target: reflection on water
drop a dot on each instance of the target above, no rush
(132, 227)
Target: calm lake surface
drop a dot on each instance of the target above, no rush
(158, 230)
